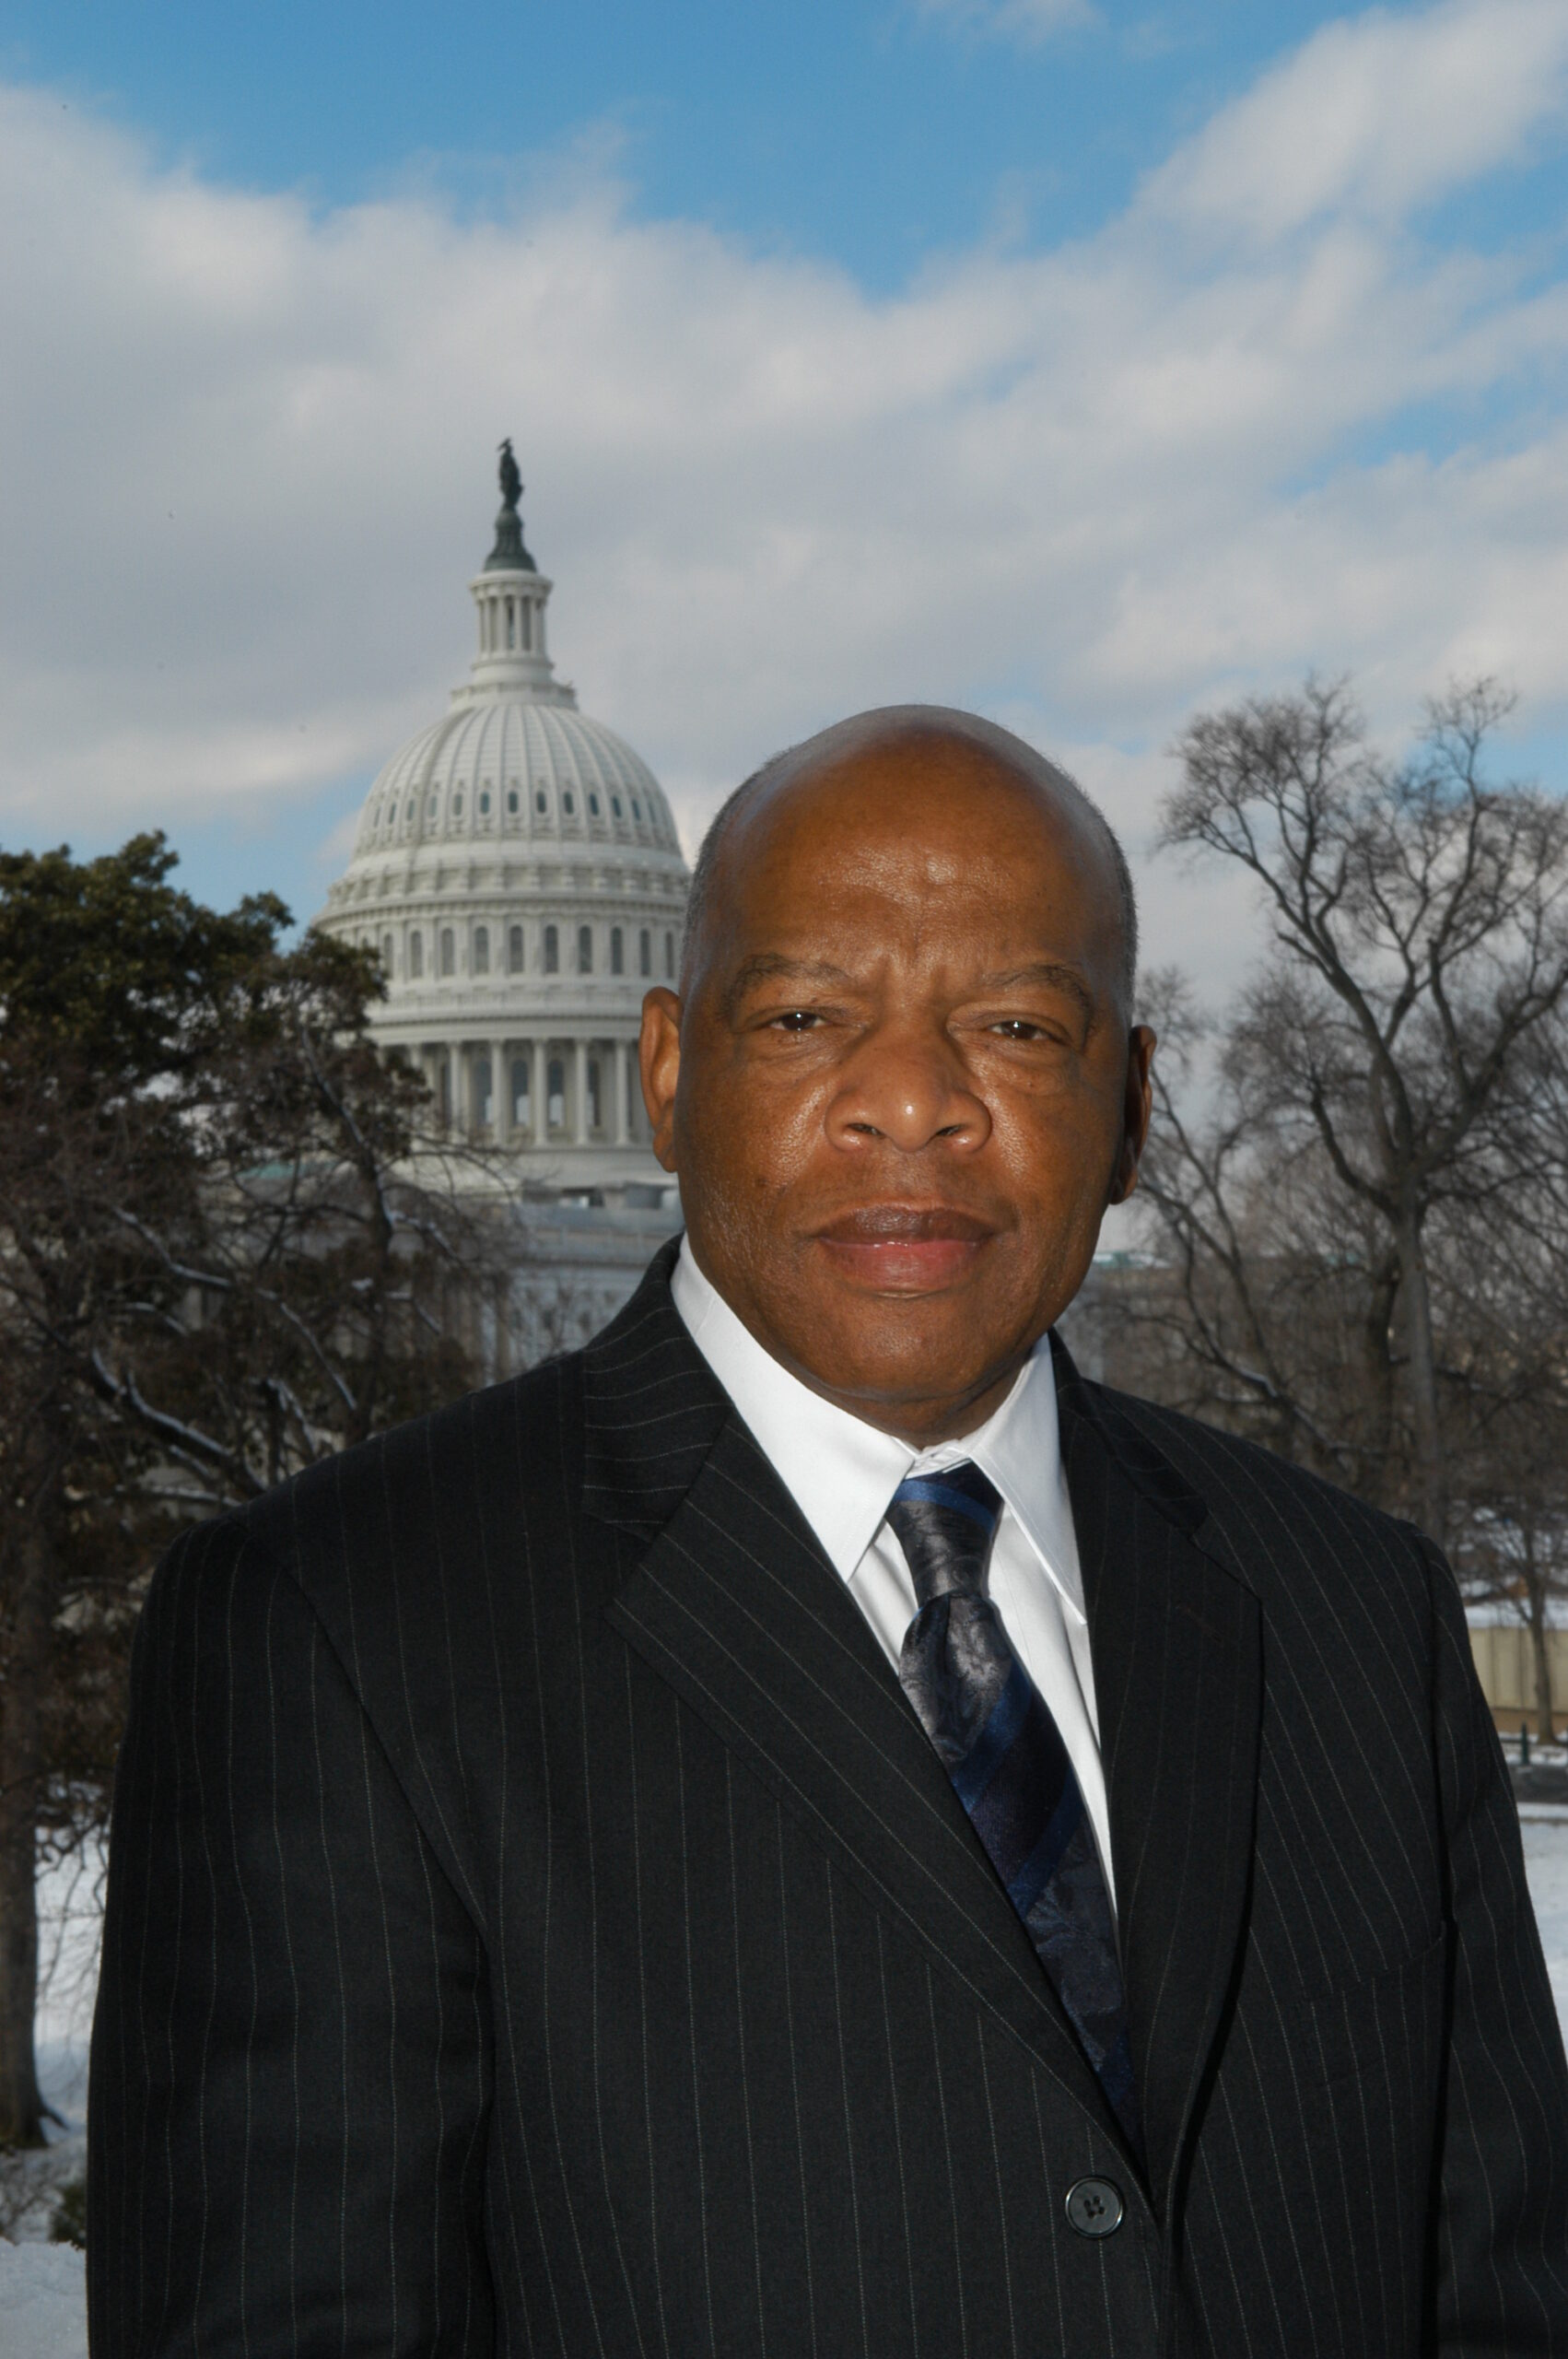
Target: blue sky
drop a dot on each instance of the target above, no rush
(875, 135)
(1083, 364)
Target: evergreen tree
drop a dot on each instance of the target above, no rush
(229, 1243)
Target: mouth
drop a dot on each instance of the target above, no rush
(904, 1249)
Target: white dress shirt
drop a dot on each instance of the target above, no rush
(842, 1473)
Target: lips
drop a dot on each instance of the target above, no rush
(904, 1249)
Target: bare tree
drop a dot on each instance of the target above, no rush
(1269, 1305)
(1501, 1280)
(1419, 943)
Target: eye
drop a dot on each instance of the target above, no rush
(797, 1020)
(1018, 1027)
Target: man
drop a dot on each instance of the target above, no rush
(806, 1827)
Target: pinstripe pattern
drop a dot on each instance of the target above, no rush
(538, 1924)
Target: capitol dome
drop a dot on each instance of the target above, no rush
(517, 872)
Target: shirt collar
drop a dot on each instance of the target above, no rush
(842, 1473)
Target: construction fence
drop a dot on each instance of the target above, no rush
(1505, 1662)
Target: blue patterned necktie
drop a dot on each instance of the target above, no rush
(1008, 1763)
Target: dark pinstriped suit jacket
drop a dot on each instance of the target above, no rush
(537, 1924)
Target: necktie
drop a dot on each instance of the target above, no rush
(1008, 1763)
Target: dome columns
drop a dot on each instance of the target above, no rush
(536, 1088)
(509, 608)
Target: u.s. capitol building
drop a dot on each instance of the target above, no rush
(519, 874)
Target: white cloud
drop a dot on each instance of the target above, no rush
(248, 450)
(1376, 116)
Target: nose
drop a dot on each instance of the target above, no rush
(906, 1085)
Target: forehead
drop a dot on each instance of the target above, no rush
(942, 833)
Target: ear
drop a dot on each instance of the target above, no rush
(1136, 1104)
(659, 1063)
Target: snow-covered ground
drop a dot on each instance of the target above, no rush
(42, 2312)
(1546, 1862)
(41, 2284)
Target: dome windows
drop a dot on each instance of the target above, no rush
(416, 953)
(541, 801)
(594, 806)
(617, 951)
(514, 950)
(481, 949)
(512, 802)
(408, 815)
(387, 953)
(567, 803)
(637, 811)
(645, 953)
(448, 951)
(431, 808)
(585, 950)
(485, 805)
(552, 949)
(670, 957)
(457, 805)
(615, 805)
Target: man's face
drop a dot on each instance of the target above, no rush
(901, 1090)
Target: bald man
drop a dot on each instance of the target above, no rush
(806, 1827)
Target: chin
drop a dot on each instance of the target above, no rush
(896, 1360)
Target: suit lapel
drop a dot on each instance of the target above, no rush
(734, 1602)
(1176, 1644)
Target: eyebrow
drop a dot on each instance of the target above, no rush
(771, 966)
(1053, 974)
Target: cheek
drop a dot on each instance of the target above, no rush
(769, 1119)
(1057, 1146)
(749, 1142)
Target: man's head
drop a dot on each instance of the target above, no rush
(900, 1085)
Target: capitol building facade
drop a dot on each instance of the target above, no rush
(518, 874)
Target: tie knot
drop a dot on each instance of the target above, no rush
(945, 1524)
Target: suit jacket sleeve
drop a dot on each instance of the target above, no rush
(1503, 2176)
(290, 2057)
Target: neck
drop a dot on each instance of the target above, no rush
(920, 1424)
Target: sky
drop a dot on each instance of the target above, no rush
(1088, 365)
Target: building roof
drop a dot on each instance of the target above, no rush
(513, 769)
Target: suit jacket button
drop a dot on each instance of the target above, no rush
(1094, 2207)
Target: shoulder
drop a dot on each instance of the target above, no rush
(424, 1492)
(1274, 1514)
(1220, 1463)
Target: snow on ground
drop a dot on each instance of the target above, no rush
(42, 2306)
(1546, 1863)
(42, 2313)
